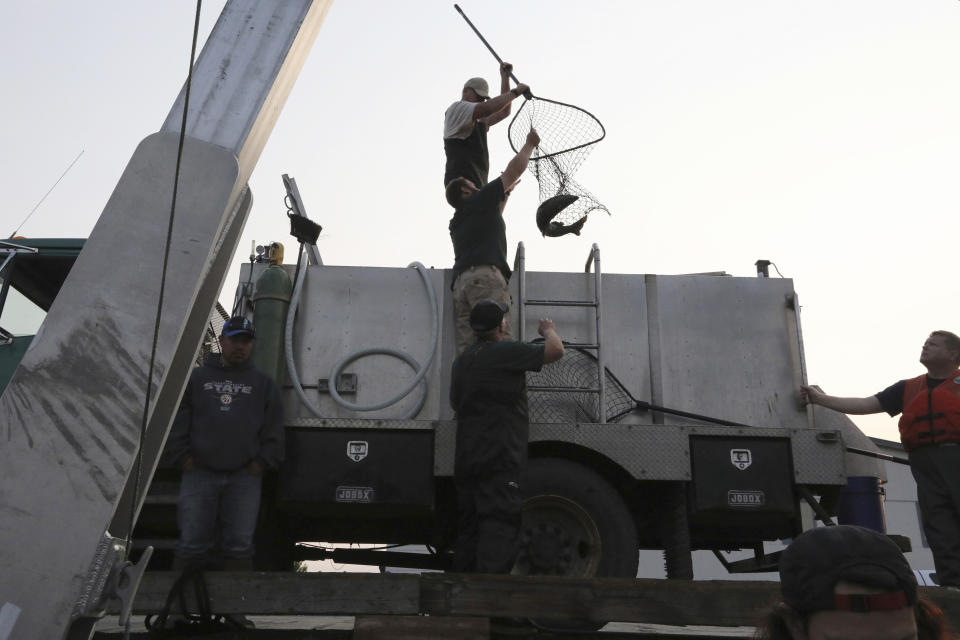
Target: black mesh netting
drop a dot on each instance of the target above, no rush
(567, 136)
(577, 369)
(211, 333)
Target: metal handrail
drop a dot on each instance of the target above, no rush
(593, 260)
(519, 268)
(601, 363)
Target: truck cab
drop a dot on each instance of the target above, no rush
(32, 270)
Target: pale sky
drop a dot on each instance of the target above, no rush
(821, 135)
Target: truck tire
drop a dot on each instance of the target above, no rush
(574, 524)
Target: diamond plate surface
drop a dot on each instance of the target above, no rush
(645, 451)
(662, 452)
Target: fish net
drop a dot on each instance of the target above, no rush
(575, 372)
(567, 136)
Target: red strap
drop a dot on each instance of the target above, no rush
(863, 603)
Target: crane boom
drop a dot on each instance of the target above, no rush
(72, 413)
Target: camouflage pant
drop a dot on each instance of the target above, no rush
(482, 282)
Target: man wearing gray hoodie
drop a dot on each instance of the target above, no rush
(227, 432)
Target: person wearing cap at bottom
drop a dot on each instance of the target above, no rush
(227, 432)
(488, 393)
(465, 125)
(851, 583)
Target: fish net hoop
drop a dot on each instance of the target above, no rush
(568, 135)
(577, 370)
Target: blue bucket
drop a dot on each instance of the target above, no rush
(861, 503)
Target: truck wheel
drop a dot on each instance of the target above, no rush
(574, 524)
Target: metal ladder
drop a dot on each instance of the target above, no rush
(592, 260)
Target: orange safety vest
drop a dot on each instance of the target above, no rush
(930, 416)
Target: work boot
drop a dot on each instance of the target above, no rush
(174, 619)
(238, 620)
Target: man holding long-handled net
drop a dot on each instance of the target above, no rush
(466, 122)
(569, 135)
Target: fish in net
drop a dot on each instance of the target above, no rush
(567, 136)
(575, 372)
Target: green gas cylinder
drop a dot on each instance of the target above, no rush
(271, 298)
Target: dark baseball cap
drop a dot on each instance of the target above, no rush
(237, 325)
(818, 559)
(487, 315)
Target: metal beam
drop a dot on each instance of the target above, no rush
(245, 73)
(70, 417)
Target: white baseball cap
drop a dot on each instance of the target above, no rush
(479, 85)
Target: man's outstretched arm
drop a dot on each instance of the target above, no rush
(855, 406)
(484, 110)
(552, 344)
(519, 163)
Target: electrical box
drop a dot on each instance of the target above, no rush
(365, 470)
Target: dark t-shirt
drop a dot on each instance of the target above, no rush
(891, 398)
(478, 231)
(488, 392)
(468, 157)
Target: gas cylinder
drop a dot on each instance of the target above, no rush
(271, 299)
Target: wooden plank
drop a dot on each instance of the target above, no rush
(674, 633)
(254, 634)
(419, 627)
(280, 593)
(721, 603)
(668, 602)
(313, 634)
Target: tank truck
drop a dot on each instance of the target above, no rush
(692, 437)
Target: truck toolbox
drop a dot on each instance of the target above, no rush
(742, 480)
(366, 468)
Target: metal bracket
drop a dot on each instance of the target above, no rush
(760, 562)
(346, 383)
(11, 249)
(109, 554)
(110, 577)
(301, 227)
(818, 508)
(124, 582)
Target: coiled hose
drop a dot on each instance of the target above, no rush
(419, 379)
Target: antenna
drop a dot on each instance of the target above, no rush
(37, 206)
